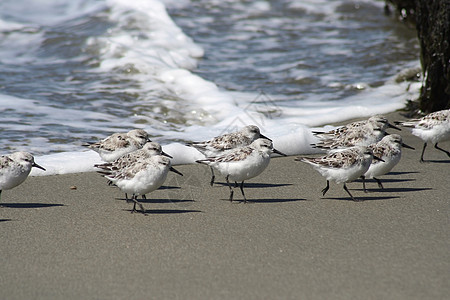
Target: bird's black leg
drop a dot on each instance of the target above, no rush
(1, 198)
(423, 151)
(231, 189)
(126, 198)
(213, 177)
(380, 185)
(445, 151)
(325, 189)
(346, 189)
(134, 199)
(134, 204)
(364, 183)
(242, 191)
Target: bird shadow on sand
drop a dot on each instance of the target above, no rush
(384, 180)
(433, 161)
(165, 211)
(265, 200)
(5, 220)
(30, 205)
(165, 187)
(395, 190)
(166, 200)
(275, 200)
(363, 198)
(401, 173)
(252, 185)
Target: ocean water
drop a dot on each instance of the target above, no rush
(77, 71)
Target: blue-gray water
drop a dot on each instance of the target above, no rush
(75, 71)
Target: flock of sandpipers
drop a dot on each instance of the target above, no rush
(139, 166)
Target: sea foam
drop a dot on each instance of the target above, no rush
(151, 60)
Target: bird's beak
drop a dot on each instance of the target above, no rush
(394, 127)
(261, 136)
(377, 158)
(278, 152)
(175, 171)
(37, 166)
(407, 146)
(165, 154)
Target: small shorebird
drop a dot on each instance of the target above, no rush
(389, 149)
(118, 144)
(361, 133)
(14, 169)
(432, 128)
(342, 166)
(139, 176)
(149, 149)
(222, 144)
(243, 163)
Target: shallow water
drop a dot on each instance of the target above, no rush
(77, 71)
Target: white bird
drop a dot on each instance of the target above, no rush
(342, 166)
(14, 169)
(389, 149)
(361, 133)
(139, 176)
(243, 163)
(222, 144)
(149, 149)
(432, 128)
(118, 144)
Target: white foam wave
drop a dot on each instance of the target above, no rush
(289, 132)
(144, 37)
(145, 46)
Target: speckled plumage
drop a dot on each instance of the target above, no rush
(432, 128)
(361, 133)
(342, 166)
(141, 175)
(389, 149)
(223, 144)
(15, 168)
(118, 144)
(220, 144)
(243, 163)
(148, 150)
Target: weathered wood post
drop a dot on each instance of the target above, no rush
(432, 20)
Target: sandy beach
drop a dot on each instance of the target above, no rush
(73, 236)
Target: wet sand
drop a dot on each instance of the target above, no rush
(73, 236)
